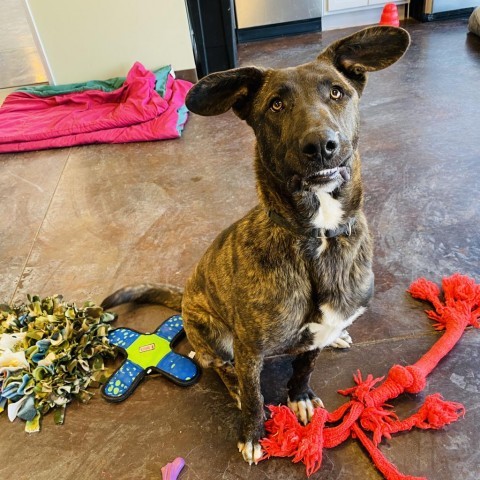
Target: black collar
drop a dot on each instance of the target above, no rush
(343, 229)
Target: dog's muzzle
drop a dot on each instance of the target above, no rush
(331, 174)
(337, 175)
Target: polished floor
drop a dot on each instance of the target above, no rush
(20, 62)
(83, 221)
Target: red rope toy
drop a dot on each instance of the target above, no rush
(367, 410)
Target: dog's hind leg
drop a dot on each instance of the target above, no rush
(226, 371)
(213, 346)
(301, 399)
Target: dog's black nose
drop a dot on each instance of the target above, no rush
(320, 144)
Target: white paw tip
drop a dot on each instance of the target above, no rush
(252, 453)
(304, 409)
(340, 343)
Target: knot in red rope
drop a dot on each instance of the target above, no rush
(411, 378)
(288, 438)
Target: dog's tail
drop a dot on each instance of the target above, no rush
(166, 295)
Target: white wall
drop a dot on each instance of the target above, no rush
(99, 39)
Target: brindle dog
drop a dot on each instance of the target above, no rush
(296, 271)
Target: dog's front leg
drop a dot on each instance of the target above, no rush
(301, 398)
(248, 366)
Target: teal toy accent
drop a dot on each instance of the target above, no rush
(146, 353)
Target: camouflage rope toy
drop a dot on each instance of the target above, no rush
(51, 352)
(146, 353)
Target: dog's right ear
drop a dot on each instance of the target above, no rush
(218, 92)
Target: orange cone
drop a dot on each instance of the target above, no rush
(390, 15)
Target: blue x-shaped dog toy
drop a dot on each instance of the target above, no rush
(147, 352)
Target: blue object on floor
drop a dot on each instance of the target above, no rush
(146, 353)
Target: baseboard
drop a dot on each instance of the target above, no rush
(286, 29)
(190, 75)
(450, 15)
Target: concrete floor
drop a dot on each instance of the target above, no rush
(83, 221)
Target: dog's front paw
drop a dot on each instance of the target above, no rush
(343, 341)
(303, 406)
(251, 451)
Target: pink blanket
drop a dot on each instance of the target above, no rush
(135, 112)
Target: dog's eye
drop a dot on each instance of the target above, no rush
(336, 93)
(276, 105)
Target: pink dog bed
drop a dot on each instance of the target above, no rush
(139, 110)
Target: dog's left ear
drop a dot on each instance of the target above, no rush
(368, 50)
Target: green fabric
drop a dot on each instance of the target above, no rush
(162, 75)
(51, 90)
(182, 118)
(50, 353)
(104, 85)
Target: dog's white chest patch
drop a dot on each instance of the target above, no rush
(332, 326)
(330, 213)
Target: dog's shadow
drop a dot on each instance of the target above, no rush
(275, 375)
(472, 43)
